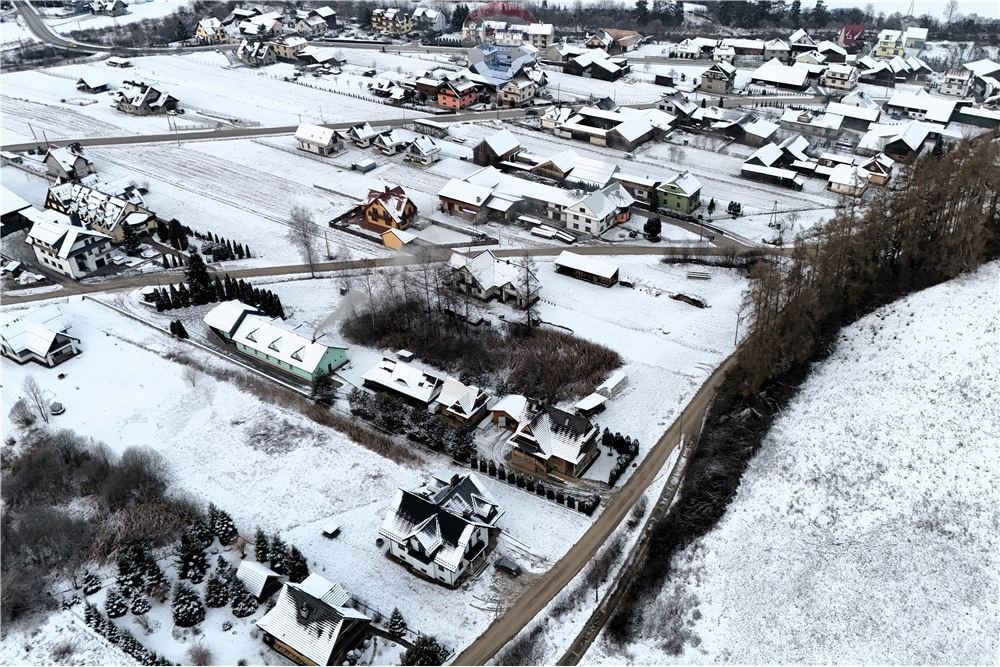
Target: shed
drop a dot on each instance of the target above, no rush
(614, 385)
(259, 579)
(331, 529)
(404, 355)
(364, 166)
(586, 268)
(590, 405)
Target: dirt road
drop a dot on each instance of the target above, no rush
(558, 578)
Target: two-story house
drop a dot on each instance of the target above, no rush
(600, 210)
(956, 82)
(388, 208)
(391, 21)
(681, 193)
(553, 440)
(718, 78)
(457, 94)
(65, 248)
(840, 76)
(517, 92)
(487, 277)
(889, 44)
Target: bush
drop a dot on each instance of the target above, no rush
(426, 650)
(199, 654)
(21, 415)
(140, 476)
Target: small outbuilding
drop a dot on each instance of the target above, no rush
(586, 268)
(259, 579)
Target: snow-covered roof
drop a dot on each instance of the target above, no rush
(10, 201)
(936, 109)
(62, 237)
(555, 433)
(767, 155)
(795, 146)
(915, 32)
(983, 67)
(588, 403)
(401, 234)
(460, 398)
(514, 405)
(393, 200)
(309, 617)
(800, 36)
(775, 71)
(633, 129)
(404, 379)
(487, 269)
(849, 175)
(761, 128)
(255, 576)
(827, 45)
(887, 35)
(776, 45)
(34, 331)
(92, 80)
(585, 264)
(316, 134)
(227, 315)
(502, 143)
(912, 133)
(465, 192)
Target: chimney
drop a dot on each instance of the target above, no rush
(387, 189)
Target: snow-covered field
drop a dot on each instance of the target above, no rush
(273, 468)
(60, 639)
(138, 10)
(866, 528)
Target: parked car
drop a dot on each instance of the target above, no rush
(508, 566)
(531, 112)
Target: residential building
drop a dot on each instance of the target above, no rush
(287, 47)
(40, 335)
(554, 441)
(776, 49)
(600, 210)
(388, 208)
(461, 405)
(397, 239)
(724, 54)
(457, 94)
(429, 20)
(680, 193)
(391, 21)
(614, 41)
(210, 31)
(848, 179)
(956, 81)
(677, 104)
(718, 78)
(555, 116)
(623, 128)
(890, 43)
(901, 142)
(518, 92)
(258, 338)
(326, 13)
(317, 139)
(914, 37)
(879, 168)
(312, 25)
(511, 410)
(92, 84)
(986, 78)
(140, 99)
(487, 277)
(800, 42)
(573, 168)
(775, 73)
(313, 623)
(101, 212)
(67, 163)
(597, 64)
(109, 7)
(496, 148)
(393, 142)
(832, 52)
(442, 530)
(840, 76)
(921, 106)
(642, 188)
(820, 124)
(362, 136)
(65, 248)
(413, 385)
(850, 34)
(422, 150)
(12, 208)
(256, 52)
(586, 268)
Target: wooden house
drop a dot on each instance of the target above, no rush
(496, 148)
(388, 208)
(554, 441)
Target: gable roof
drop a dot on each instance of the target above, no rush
(460, 398)
(393, 200)
(502, 143)
(487, 269)
(775, 71)
(49, 229)
(310, 617)
(316, 134)
(255, 576)
(571, 260)
(227, 315)
(405, 379)
(555, 433)
(35, 331)
(685, 182)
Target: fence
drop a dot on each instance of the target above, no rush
(531, 485)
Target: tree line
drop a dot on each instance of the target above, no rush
(940, 219)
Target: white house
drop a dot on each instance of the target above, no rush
(409, 382)
(65, 163)
(956, 82)
(432, 20)
(487, 277)
(64, 248)
(600, 210)
(848, 179)
(443, 529)
(317, 139)
(840, 76)
(423, 150)
(40, 335)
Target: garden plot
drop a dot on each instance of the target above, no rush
(273, 468)
(864, 530)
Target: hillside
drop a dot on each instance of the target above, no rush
(866, 528)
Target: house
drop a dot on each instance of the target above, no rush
(256, 337)
(518, 92)
(108, 7)
(570, 166)
(922, 106)
(600, 210)
(985, 74)
(597, 64)
(317, 139)
(312, 623)
(391, 21)
(429, 20)
(850, 34)
(775, 73)
(718, 78)
(776, 49)
(800, 42)
(312, 25)
(388, 208)
(256, 52)
(759, 132)
(67, 163)
(362, 136)
(40, 335)
(539, 35)
(724, 54)
(140, 99)
(287, 47)
(914, 37)
(413, 385)
(210, 31)
(461, 405)
(443, 529)
(457, 94)
(422, 150)
(902, 142)
(487, 277)
(392, 142)
(614, 41)
(832, 52)
(623, 128)
(681, 193)
(840, 76)
(65, 248)
(117, 61)
(510, 411)
(858, 111)
(848, 179)
(642, 188)
(496, 148)
(586, 268)
(879, 168)
(91, 84)
(554, 441)
(555, 116)
(260, 580)
(890, 43)
(956, 81)
(464, 199)
(101, 212)
(431, 128)
(678, 104)
(261, 24)
(821, 124)
(326, 13)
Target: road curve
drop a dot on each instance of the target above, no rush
(553, 582)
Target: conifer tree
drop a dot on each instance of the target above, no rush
(397, 625)
(278, 555)
(92, 616)
(184, 295)
(261, 546)
(181, 331)
(114, 604)
(191, 562)
(216, 592)
(241, 600)
(91, 583)
(186, 608)
(140, 605)
(298, 566)
(224, 528)
(198, 279)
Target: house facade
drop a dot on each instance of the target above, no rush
(487, 277)
(101, 212)
(682, 193)
(457, 94)
(442, 530)
(423, 150)
(391, 21)
(517, 92)
(841, 77)
(65, 248)
(388, 208)
(211, 31)
(67, 164)
(317, 139)
(890, 44)
(600, 210)
(718, 78)
(41, 335)
(140, 99)
(956, 82)
(554, 441)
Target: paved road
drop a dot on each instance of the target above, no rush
(72, 288)
(553, 582)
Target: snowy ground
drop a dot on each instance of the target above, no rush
(137, 11)
(865, 530)
(61, 639)
(222, 446)
(13, 32)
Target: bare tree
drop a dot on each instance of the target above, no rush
(369, 278)
(191, 375)
(529, 285)
(949, 10)
(302, 234)
(35, 396)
